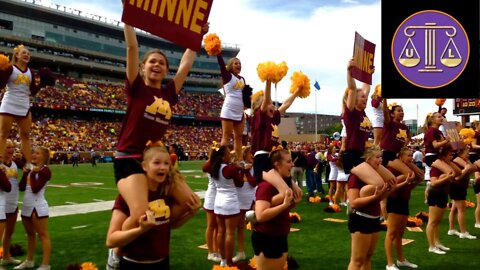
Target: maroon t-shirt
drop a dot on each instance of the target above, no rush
(373, 208)
(432, 134)
(148, 114)
(279, 225)
(394, 136)
(463, 182)
(358, 128)
(477, 137)
(444, 187)
(264, 131)
(404, 192)
(155, 243)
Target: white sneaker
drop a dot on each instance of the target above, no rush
(239, 257)
(453, 232)
(24, 265)
(436, 250)
(250, 217)
(407, 264)
(113, 261)
(330, 203)
(10, 261)
(477, 225)
(391, 267)
(44, 267)
(442, 247)
(214, 257)
(466, 235)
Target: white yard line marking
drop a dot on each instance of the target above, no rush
(79, 227)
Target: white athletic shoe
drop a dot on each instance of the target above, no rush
(25, 265)
(391, 267)
(239, 257)
(436, 250)
(407, 264)
(250, 217)
(10, 261)
(453, 232)
(466, 235)
(477, 225)
(442, 247)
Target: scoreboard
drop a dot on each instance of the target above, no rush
(466, 106)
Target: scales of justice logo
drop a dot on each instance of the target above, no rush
(430, 49)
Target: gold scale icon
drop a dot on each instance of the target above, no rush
(410, 57)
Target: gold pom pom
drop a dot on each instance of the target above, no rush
(4, 62)
(378, 90)
(271, 71)
(302, 82)
(467, 135)
(213, 44)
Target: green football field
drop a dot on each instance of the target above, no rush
(318, 244)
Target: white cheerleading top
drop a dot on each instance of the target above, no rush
(210, 194)
(16, 99)
(233, 107)
(246, 193)
(226, 200)
(35, 201)
(12, 196)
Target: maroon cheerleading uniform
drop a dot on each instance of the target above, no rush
(438, 194)
(394, 136)
(432, 134)
(373, 208)
(358, 128)
(154, 244)
(280, 224)
(263, 130)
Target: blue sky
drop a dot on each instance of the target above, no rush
(314, 36)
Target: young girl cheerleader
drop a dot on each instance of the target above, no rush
(35, 207)
(19, 80)
(147, 118)
(147, 246)
(269, 236)
(226, 206)
(11, 205)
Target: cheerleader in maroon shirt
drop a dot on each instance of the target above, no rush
(438, 199)
(364, 221)
(270, 232)
(147, 118)
(398, 211)
(147, 246)
(458, 195)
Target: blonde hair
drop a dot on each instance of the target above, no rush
(16, 51)
(229, 65)
(46, 154)
(173, 177)
(370, 151)
(429, 121)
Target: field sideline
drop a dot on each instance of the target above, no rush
(81, 199)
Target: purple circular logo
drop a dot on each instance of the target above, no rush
(430, 49)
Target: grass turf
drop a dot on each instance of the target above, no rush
(318, 245)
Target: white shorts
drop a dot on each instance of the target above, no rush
(377, 122)
(342, 177)
(333, 173)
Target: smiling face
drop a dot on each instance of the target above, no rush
(361, 100)
(234, 66)
(154, 68)
(397, 114)
(38, 157)
(9, 150)
(284, 165)
(22, 57)
(375, 160)
(157, 166)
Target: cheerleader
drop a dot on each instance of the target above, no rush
(226, 207)
(11, 205)
(35, 207)
(232, 113)
(246, 198)
(270, 232)
(378, 117)
(147, 246)
(19, 80)
(208, 206)
(332, 158)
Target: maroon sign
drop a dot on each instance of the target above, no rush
(178, 21)
(363, 56)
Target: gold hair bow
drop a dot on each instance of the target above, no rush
(430, 114)
(276, 148)
(391, 105)
(215, 146)
(18, 48)
(152, 144)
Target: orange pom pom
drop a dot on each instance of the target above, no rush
(440, 101)
(301, 81)
(213, 44)
(271, 71)
(4, 62)
(378, 90)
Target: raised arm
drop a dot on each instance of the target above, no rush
(267, 98)
(386, 112)
(352, 88)
(132, 53)
(289, 101)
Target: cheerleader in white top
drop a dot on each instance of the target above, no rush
(11, 205)
(19, 81)
(378, 117)
(233, 107)
(35, 207)
(246, 198)
(5, 187)
(226, 206)
(208, 206)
